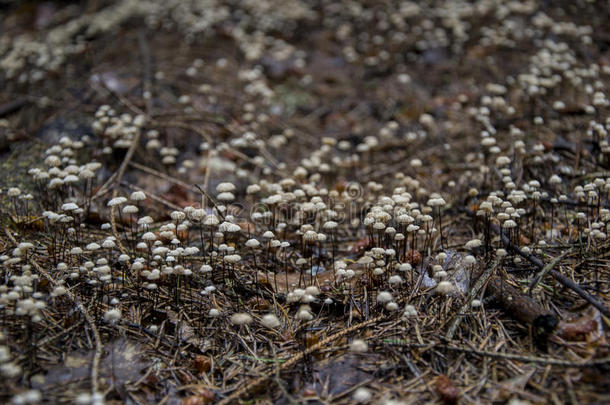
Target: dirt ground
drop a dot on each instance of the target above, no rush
(344, 202)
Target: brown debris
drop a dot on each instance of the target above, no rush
(447, 390)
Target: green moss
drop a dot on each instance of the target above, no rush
(15, 166)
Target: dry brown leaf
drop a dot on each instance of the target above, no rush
(202, 363)
(580, 329)
(447, 390)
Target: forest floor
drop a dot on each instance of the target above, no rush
(304, 202)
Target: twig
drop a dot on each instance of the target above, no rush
(152, 196)
(293, 360)
(163, 176)
(211, 200)
(183, 125)
(474, 291)
(132, 148)
(531, 359)
(545, 270)
(558, 276)
(577, 289)
(506, 356)
(49, 339)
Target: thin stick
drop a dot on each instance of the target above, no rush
(548, 267)
(152, 196)
(132, 148)
(506, 356)
(476, 288)
(565, 281)
(558, 276)
(211, 200)
(293, 360)
(163, 176)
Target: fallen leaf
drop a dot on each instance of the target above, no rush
(413, 257)
(447, 390)
(577, 330)
(580, 329)
(340, 374)
(202, 364)
(203, 398)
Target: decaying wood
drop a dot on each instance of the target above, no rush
(513, 302)
(523, 309)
